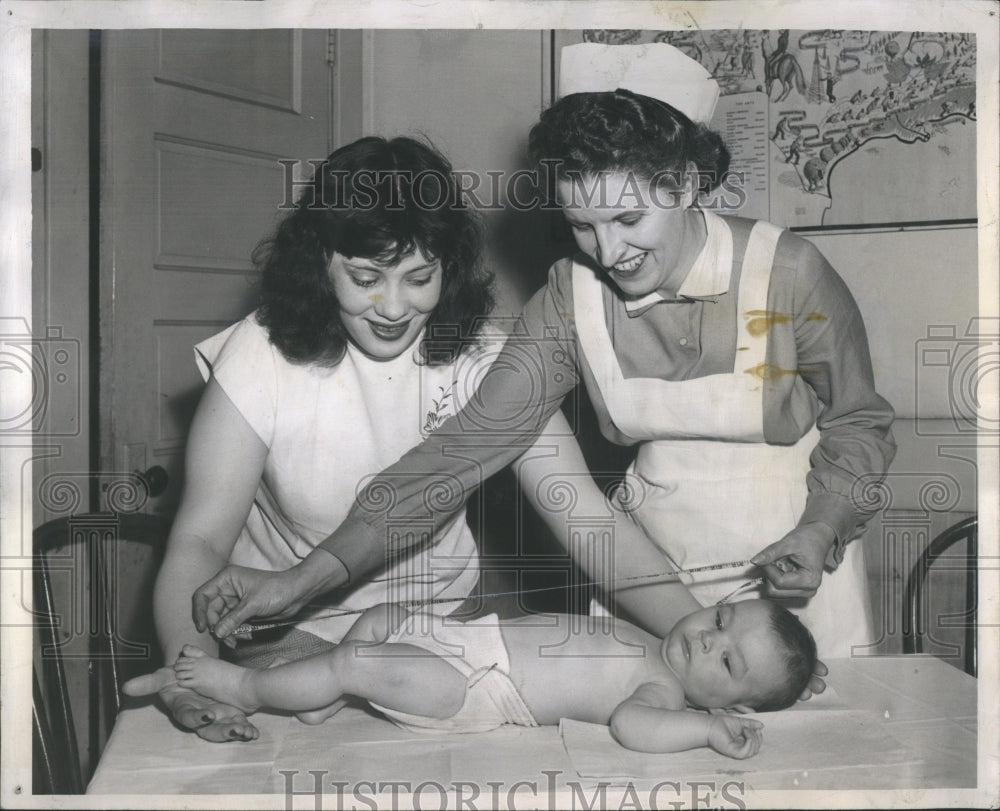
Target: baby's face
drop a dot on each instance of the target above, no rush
(725, 656)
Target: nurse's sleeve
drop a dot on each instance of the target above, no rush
(856, 444)
(406, 504)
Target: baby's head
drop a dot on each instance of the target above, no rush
(750, 656)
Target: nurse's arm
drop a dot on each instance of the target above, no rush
(794, 564)
(423, 489)
(856, 444)
(557, 482)
(523, 387)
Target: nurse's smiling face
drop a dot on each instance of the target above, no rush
(644, 236)
(384, 307)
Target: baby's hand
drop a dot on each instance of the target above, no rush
(735, 736)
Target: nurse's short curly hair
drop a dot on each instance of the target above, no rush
(798, 649)
(621, 131)
(379, 199)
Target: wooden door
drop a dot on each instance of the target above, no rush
(194, 126)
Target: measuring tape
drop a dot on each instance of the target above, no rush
(251, 627)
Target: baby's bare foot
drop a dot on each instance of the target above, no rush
(214, 678)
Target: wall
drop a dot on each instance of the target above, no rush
(915, 289)
(905, 283)
(475, 95)
(909, 286)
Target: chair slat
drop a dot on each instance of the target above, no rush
(914, 598)
(92, 538)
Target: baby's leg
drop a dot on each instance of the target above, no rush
(403, 677)
(302, 685)
(373, 626)
(399, 676)
(376, 623)
(314, 717)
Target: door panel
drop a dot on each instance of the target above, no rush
(194, 126)
(267, 71)
(233, 207)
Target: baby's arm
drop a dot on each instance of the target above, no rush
(655, 718)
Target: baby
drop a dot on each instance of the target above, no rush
(431, 672)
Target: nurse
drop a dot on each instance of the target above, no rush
(728, 350)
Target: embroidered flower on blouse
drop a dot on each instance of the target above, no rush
(441, 411)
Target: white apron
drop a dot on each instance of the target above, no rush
(707, 488)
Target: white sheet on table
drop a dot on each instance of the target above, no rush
(795, 744)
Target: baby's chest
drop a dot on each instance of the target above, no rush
(619, 666)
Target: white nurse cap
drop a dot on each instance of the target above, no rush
(654, 69)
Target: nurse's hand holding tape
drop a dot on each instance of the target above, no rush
(729, 350)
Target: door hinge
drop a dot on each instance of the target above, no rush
(331, 47)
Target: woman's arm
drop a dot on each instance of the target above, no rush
(223, 467)
(601, 537)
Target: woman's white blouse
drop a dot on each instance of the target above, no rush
(328, 429)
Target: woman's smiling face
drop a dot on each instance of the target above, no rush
(384, 307)
(639, 233)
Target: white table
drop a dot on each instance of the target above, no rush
(926, 704)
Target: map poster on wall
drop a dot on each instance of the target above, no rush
(837, 130)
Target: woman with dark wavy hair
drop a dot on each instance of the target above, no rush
(728, 351)
(382, 201)
(365, 340)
